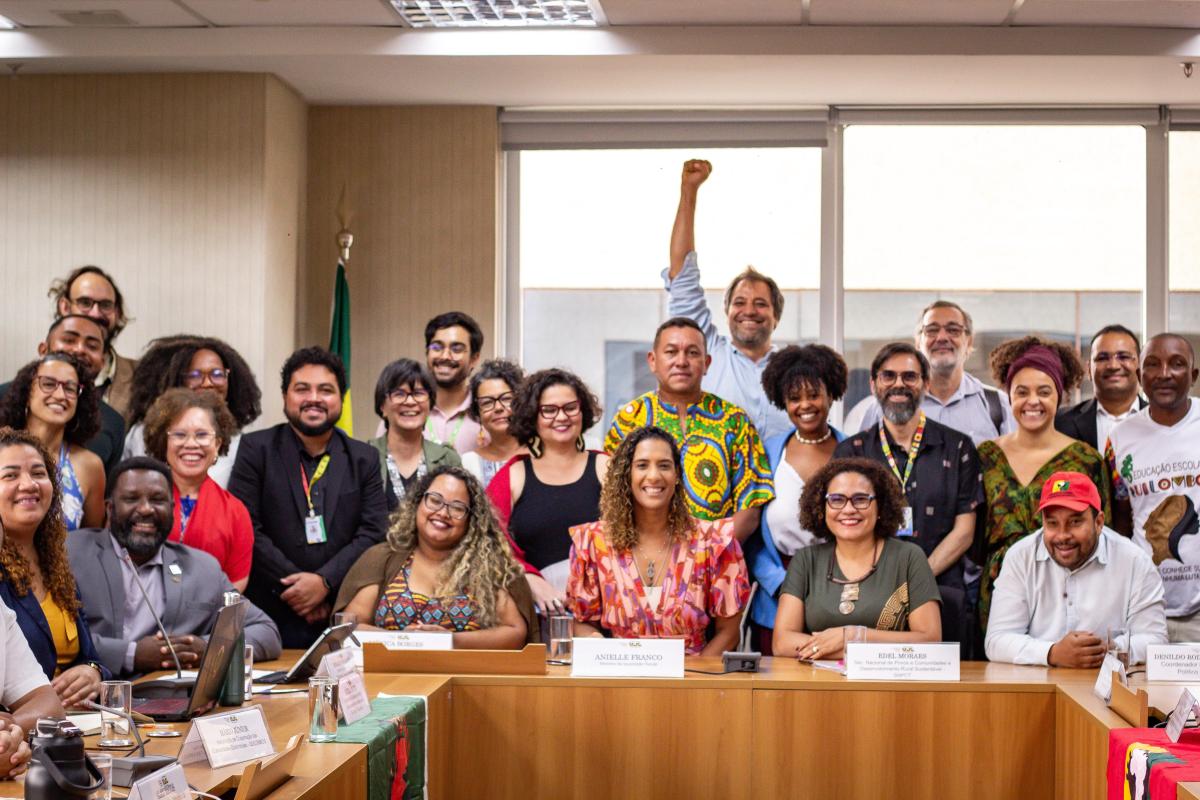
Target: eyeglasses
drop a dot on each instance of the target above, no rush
(202, 438)
(488, 403)
(195, 377)
(49, 386)
(434, 503)
(1121, 358)
(859, 501)
(571, 409)
(86, 304)
(457, 348)
(891, 376)
(933, 330)
(402, 396)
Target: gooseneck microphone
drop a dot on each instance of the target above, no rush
(127, 770)
(157, 621)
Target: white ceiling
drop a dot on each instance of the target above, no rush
(673, 53)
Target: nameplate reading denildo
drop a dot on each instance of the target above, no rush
(224, 739)
(594, 657)
(1173, 662)
(169, 783)
(902, 662)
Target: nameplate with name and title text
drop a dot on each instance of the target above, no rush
(230, 738)
(927, 661)
(593, 657)
(1173, 662)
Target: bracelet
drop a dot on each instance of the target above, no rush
(97, 667)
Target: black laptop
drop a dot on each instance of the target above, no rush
(330, 639)
(171, 701)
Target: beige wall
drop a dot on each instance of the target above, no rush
(188, 188)
(422, 184)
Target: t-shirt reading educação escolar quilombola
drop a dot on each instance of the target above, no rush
(1157, 468)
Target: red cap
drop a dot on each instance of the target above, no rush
(1072, 490)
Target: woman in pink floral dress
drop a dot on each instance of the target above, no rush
(649, 570)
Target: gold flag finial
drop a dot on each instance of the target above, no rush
(344, 237)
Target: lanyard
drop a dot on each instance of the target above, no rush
(912, 451)
(454, 434)
(324, 462)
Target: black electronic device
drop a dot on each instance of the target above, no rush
(331, 639)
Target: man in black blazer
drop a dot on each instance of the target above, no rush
(315, 496)
(1116, 378)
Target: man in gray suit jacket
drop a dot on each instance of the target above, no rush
(184, 585)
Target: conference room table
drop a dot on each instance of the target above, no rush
(790, 730)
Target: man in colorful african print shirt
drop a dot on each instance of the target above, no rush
(725, 468)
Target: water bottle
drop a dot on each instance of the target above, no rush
(60, 769)
(233, 691)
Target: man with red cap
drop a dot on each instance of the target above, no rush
(1063, 588)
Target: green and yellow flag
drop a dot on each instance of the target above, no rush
(339, 339)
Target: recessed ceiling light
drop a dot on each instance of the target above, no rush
(499, 13)
(7, 24)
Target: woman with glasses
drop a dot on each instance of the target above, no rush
(190, 431)
(805, 382)
(35, 575)
(860, 576)
(55, 399)
(540, 496)
(1037, 375)
(201, 364)
(647, 569)
(493, 390)
(404, 395)
(446, 566)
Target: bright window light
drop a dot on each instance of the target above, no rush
(6, 24)
(498, 13)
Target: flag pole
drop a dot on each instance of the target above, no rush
(339, 322)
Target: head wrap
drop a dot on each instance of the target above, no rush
(1041, 358)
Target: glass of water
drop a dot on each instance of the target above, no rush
(322, 709)
(1118, 645)
(560, 639)
(103, 763)
(114, 730)
(248, 660)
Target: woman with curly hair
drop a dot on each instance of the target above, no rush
(541, 495)
(446, 566)
(493, 391)
(861, 575)
(1037, 374)
(54, 399)
(35, 575)
(805, 382)
(203, 364)
(190, 431)
(647, 569)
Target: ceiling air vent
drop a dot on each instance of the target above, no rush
(100, 18)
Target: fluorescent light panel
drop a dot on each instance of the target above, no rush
(498, 13)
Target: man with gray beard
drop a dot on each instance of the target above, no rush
(937, 467)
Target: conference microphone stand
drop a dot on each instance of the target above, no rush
(157, 620)
(128, 769)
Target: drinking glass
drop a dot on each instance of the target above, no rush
(345, 617)
(853, 634)
(322, 709)
(248, 660)
(1118, 645)
(560, 639)
(114, 730)
(103, 762)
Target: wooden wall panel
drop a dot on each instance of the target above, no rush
(183, 186)
(422, 183)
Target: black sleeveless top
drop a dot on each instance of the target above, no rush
(543, 513)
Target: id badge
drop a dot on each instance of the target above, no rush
(906, 527)
(314, 529)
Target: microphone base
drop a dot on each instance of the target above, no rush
(126, 771)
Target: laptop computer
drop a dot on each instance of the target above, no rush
(170, 701)
(330, 639)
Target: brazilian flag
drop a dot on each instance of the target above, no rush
(339, 339)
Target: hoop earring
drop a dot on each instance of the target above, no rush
(535, 446)
(580, 444)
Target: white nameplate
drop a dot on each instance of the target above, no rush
(593, 657)
(927, 661)
(1179, 717)
(1173, 662)
(405, 640)
(353, 702)
(169, 783)
(337, 664)
(224, 739)
(1109, 666)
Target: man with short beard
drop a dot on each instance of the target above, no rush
(183, 585)
(453, 343)
(315, 496)
(1155, 461)
(956, 398)
(753, 308)
(937, 467)
(1116, 380)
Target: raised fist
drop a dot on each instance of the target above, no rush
(695, 172)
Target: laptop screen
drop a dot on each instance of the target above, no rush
(221, 644)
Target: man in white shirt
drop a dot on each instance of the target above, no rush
(1155, 461)
(1064, 587)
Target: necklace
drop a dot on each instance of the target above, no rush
(850, 588)
(818, 440)
(649, 579)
